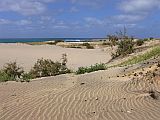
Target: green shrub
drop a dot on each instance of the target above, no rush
(125, 47)
(151, 38)
(137, 59)
(5, 77)
(57, 41)
(139, 42)
(123, 41)
(113, 40)
(92, 68)
(13, 70)
(26, 77)
(145, 39)
(106, 43)
(46, 67)
(88, 46)
(72, 46)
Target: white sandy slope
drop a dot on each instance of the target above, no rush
(102, 95)
(27, 55)
(95, 96)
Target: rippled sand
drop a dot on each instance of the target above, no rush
(95, 96)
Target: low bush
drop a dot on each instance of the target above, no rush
(139, 42)
(57, 41)
(151, 38)
(47, 67)
(124, 43)
(88, 46)
(125, 47)
(145, 39)
(5, 77)
(26, 77)
(13, 70)
(42, 68)
(137, 59)
(106, 43)
(92, 68)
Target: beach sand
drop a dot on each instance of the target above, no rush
(26, 55)
(112, 94)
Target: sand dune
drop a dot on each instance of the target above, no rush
(27, 55)
(119, 93)
(95, 96)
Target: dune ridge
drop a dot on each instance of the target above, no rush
(119, 93)
(93, 96)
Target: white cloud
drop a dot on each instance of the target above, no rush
(17, 22)
(74, 9)
(94, 21)
(23, 22)
(60, 27)
(126, 25)
(93, 3)
(46, 18)
(25, 7)
(4, 21)
(128, 18)
(135, 10)
(139, 6)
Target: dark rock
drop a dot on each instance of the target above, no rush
(82, 83)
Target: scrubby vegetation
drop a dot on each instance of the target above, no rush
(42, 68)
(139, 42)
(44, 43)
(5, 77)
(57, 41)
(12, 72)
(153, 53)
(47, 67)
(125, 46)
(124, 42)
(88, 46)
(92, 68)
(113, 40)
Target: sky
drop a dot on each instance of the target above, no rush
(78, 18)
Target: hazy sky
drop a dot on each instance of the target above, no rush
(78, 18)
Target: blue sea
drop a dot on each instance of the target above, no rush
(22, 40)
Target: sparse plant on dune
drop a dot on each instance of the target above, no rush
(124, 42)
(139, 42)
(64, 59)
(42, 68)
(47, 67)
(13, 70)
(5, 77)
(113, 40)
(154, 52)
(92, 68)
(88, 46)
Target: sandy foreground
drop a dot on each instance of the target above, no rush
(26, 55)
(104, 95)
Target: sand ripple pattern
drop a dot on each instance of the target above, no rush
(67, 98)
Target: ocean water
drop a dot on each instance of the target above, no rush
(15, 40)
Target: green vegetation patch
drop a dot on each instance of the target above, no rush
(42, 68)
(92, 68)
(137, 59)
(88, 46)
